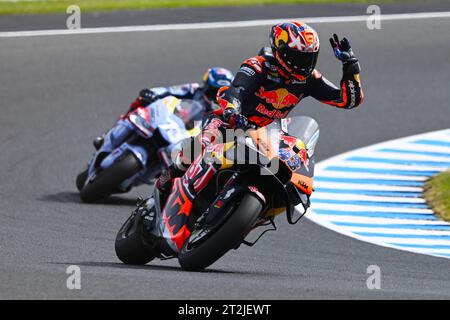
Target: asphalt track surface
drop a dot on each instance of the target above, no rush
(58, 92)
(192, 15)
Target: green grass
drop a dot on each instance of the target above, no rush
(437, 194)
(60, 6)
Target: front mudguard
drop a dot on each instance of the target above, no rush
(230, 195)
(291, 196)
(139, 152)
(112, 140)
(104, 158)
(143, 176)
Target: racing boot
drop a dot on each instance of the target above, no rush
(164, 183)
(145, 218)
(146, 209)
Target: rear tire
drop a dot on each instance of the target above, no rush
(109, 179)
(227, 237)
(129, 246)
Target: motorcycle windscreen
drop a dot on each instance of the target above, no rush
(303, 128)
(190, 112)
(306, 130)
(301, 131)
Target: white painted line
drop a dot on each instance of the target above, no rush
(355, 208)
(415, 241)
(359, 197)
(392, 166)
(430, 251)
(371, 187)
(364, 175)
(220, 25)
(399, 231)
(423, 147)
(444, 138)
(409, 157)
(373, 220)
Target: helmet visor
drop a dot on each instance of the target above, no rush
(302, 63)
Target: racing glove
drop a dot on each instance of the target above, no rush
(145, 97)
(234, 118)
(343, 51)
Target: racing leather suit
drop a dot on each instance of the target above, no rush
(260, 93)
(192, 91)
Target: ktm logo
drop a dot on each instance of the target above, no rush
(302, 183)
(279, 99)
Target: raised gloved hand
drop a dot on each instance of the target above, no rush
(234, 118)
(343, 51)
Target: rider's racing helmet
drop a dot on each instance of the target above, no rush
(295, 46)
(214, 79)
(189, 111)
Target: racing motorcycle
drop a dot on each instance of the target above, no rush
(135, 152)
(263, 173)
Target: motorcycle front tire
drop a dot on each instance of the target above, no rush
(129, 245)
(227, 237)
(107, 181)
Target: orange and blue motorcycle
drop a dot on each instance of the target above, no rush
(263, 172)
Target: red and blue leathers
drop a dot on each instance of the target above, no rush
(262, 93)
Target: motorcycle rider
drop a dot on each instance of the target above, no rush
(213, 79)
(267, 87)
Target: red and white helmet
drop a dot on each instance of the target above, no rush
(296, 47)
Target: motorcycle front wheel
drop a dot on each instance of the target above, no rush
(196, 257)
(81, 179)
(129, 246)
(107, 181)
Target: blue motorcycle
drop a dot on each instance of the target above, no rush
(135, 151)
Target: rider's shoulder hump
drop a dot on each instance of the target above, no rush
(256, 63)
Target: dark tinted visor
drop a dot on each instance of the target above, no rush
(302, 63)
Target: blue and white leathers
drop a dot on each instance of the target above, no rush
(155, 125)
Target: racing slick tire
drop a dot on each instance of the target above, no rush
(107, 181)
(227, 237)
(129, 246)
(81, 179)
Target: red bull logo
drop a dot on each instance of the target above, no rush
(289, 140)
(274, 114)
(279, 98)
(281, 36)
(303, 155)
